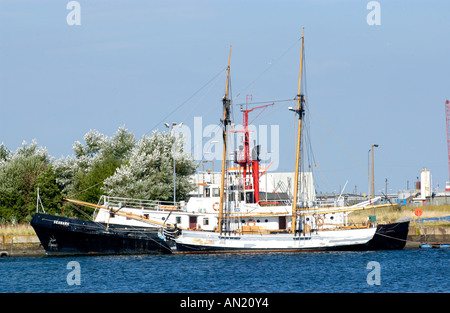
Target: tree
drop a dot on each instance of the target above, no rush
(116, 165)
(4, 153)
(148, 174)
(49, 192)
(81, 176)
(20, 175)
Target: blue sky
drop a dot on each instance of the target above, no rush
(134, 62)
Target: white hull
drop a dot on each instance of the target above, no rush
(197, 241)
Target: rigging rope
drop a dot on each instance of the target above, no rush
(268, 68)
(187, 100)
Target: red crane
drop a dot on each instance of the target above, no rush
(447, 118)
(249, 161)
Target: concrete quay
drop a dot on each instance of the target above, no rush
(429, 235)
(20, 245)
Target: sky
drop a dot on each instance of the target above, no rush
(143, 63)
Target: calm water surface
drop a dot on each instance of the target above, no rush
(415, 270)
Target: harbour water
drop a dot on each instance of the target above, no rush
(405, 271)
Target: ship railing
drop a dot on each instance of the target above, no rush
(279, 202)
(119, 202)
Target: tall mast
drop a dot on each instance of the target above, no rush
(226, 122)
(300, 111)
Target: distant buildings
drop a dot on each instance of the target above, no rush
(423, 193)
(282, 183)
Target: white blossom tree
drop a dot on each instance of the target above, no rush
(82, 175)
(148, 174)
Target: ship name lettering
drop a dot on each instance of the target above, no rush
(62, 223)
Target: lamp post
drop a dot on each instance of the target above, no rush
(368, 174)
(373, 185)
(171, 127)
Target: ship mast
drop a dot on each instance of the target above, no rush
(226, 121)
(300, 111)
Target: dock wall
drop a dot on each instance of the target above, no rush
(418, 235)
(20, 245)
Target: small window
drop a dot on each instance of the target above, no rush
(205, 221)
(243, 221)
(266, 220)
(178, 219)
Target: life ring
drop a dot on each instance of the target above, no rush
(319, 221)
(216, 206)
(248, 222)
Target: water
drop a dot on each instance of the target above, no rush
(415, 270)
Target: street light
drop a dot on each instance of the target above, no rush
(173, 156)
(368, 174)
(373, 185)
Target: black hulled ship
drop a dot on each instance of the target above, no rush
(68, 236)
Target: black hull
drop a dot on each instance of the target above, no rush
(389, 237)
(66, 236)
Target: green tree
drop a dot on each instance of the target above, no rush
(20, 175)
(49, 192)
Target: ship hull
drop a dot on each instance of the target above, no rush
(66, 236)
(183, 248)
(389, 237)
(208, 242)
(385, 237)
